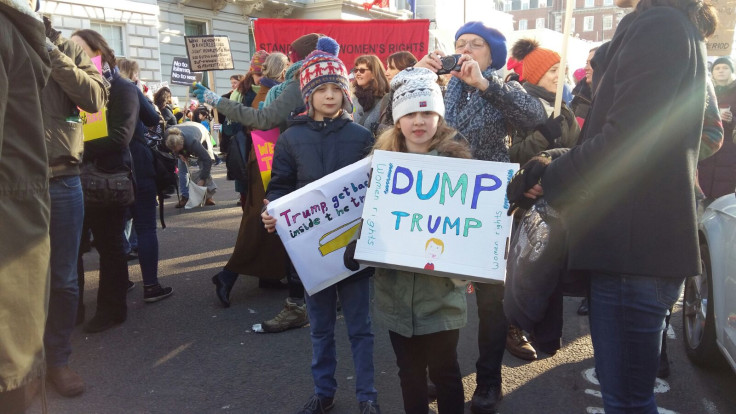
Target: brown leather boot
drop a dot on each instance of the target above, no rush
(67, 382)
(518, 345)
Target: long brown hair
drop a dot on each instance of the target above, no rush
(393, 140)
(379, 84)
(401, 60)
(245, 84)
(702, 13)
(97, 43)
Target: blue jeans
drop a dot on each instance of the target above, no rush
(627, 317)
(322, 310)
(144, 223)
(183, 170)
(67, 216)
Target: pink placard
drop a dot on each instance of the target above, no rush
(263, 145)
(97, 60)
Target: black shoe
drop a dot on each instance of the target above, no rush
(583, 308)
(317, 405)
(155, 293)
(222, 289)
(485, 399)
(369, 407)
(101, 323)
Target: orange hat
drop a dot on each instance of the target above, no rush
(537, 60)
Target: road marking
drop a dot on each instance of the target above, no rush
(589, 374)
(594, 410)
(594, 393)
(172, 354)
(660, 387)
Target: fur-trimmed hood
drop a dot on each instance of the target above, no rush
(29, 24)
(457, 147)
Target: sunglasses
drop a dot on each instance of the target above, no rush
(360, 70)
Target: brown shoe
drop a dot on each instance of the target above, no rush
(67, 382)
(209, 202)
(182, 202)
(518, 345)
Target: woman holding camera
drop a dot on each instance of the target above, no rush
(480, 106)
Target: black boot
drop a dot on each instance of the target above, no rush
(222, 289)
(485, 399)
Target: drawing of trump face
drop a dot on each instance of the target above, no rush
(433, 249)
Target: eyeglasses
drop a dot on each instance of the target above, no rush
(360, 70)
(475, 44)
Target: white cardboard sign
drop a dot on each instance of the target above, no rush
(437, 215)
(317, 221)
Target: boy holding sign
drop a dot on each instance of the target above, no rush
(322, 140)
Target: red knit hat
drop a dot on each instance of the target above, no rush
(323, 66)
(537, 60)
(256, 62)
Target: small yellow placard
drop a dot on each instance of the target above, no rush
(94, 126)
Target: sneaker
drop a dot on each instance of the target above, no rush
(317, 405)
(131, 285)
(67, 382)
(485, 398)
(292, 316)
(155, 293)
(182, 202)
(369, 407)
(518, 345)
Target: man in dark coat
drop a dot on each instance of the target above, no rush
(627, 193)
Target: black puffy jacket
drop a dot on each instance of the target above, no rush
(309, 150)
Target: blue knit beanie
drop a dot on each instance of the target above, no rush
(495, 39)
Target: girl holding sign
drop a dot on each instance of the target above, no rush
(424, 313)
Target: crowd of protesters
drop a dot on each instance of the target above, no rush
(623, 176)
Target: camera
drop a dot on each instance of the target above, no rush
(449, 63)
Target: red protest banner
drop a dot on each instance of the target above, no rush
(369, 37)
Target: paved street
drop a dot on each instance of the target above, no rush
(187, 354)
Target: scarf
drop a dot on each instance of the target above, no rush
(289, 79)
(109, 74)
(268, 82)
(366, 98)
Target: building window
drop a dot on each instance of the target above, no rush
(589, 3)
(540, 23)
(197, 28)
(507, 5)
(524, 4)
(515, 4)
(542, 4)
(113, 35)
(522, 24)
(607, 22)
(588, 23)
(572, 26)
(558, 22)
(608, 2)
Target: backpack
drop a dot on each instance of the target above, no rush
(237, 158)
(164, 165)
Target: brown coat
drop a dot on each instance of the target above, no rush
(257, 252)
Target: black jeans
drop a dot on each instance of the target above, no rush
(107, 229)
(438, 352)
(492, 330)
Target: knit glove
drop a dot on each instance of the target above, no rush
(205, 95)
(348, 257)
(552, 129)
(527, 177)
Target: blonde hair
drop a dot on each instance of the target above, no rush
(274, 66)
(435, 241)
(127, 67)
(393, 140)
(174, 138)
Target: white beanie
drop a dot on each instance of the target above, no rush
(416, 90)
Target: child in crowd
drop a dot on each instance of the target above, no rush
(319, 141)
(424, 313)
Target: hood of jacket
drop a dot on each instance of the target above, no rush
(31, 27)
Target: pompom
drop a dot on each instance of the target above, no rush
(329, 45)
(523, 47)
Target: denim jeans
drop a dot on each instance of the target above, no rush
(322, 309)
(627, 317)
(438, 352)
(144, 223)
(183, 171)
(67, 216)
(492, 330)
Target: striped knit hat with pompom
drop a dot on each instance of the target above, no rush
(322, 66)
(536, 60)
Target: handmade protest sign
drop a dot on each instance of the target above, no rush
(437, 215)
(317, 221)
(209, 52)
(263, 145)
(180, 73)
(94, 125)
